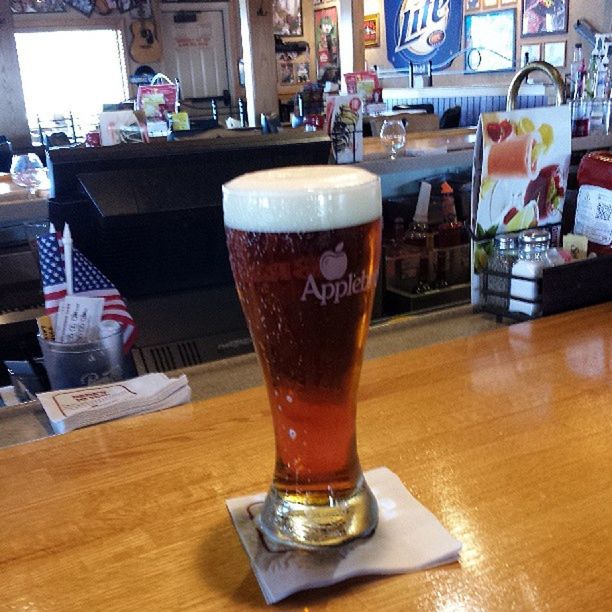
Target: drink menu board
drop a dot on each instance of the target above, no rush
(521, 164)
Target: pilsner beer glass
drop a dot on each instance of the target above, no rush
(304, 246)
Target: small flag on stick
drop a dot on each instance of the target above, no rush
(87, 280)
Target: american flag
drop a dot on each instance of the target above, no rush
(87, 281)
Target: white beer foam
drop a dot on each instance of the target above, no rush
(302, 199)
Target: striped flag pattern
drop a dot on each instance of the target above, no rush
(87, 280)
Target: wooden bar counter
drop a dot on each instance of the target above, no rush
(505, 436)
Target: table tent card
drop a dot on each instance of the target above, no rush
(521, 165)
(344, 124)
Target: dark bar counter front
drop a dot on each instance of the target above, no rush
(151, 219)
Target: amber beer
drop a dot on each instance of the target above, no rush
(304, 247)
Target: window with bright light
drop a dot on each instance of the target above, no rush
(71, 73)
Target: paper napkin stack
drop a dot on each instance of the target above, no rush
(68, 409)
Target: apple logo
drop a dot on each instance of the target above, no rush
(333, 264)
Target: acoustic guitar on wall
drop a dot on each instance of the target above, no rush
(145, 46)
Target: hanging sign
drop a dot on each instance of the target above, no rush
(422, 30)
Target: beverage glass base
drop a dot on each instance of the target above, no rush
(314, 522)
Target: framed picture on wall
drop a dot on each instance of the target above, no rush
(141, 9)
(83, 6)
(287, 17)
(125, 5)
(286, 75)
(533, 51)
(489, 4)
(544, 17)
(38, 6)
(490, 38)
(554, 53)
(327, 44)
(472, 5)
(371, 31)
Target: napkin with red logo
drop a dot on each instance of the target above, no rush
(408, 538)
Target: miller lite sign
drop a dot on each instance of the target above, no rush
(423, 30)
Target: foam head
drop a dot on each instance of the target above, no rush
(302, 199)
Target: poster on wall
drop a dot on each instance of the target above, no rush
(544, 17)
(422, 30)
(371, 30)
(326, 43)
(193, 35)
(37, 6)
(287, 17)
(83, 6)
(292, 68)
(490, 38)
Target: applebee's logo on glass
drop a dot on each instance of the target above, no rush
(333, 265)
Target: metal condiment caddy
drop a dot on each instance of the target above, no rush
(557, 289)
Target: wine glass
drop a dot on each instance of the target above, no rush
(28, 171)
(393, 135)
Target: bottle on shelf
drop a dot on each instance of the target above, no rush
(244, 122)
(576, 69)
(581, 104)
(598, 111)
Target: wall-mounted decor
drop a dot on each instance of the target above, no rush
(38, 6)
(285, 73)
(419, 32)
(554, 53)
(145, 46)
(533, 51)
(472, 5)
(141, 9)
(491, 38)
(327, 44)
(83, 6)
(105, 7)
(287, 17)
(126, 5)
(489, 4)
(371, 30)
(293, 63)
(544, 17)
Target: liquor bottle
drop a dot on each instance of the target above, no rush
(598, 112)
(576, 68)
(242, 113)
(591, 76)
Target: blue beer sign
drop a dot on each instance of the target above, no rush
(423, 30)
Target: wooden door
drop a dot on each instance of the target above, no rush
(195, 51)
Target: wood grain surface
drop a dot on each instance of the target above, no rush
(506, 437)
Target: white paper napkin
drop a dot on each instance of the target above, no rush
(68, 409)
(408, 538)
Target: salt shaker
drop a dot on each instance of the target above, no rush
(499, 269)
(533, 244)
